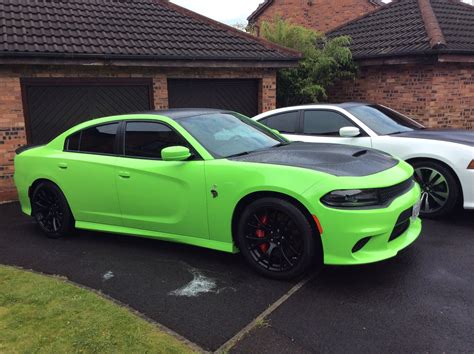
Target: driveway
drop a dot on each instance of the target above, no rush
(423, 300)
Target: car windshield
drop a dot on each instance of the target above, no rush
(230, 134)
(383, 120)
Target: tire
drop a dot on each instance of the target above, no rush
(292, 244)
(440, 190)
(51, 210)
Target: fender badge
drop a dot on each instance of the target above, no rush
(214, 192)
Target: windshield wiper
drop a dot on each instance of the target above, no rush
(282, 144)
(239, 154)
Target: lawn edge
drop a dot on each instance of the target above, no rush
(195, 347)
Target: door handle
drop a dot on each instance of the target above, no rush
(124, 174)
(62, 165)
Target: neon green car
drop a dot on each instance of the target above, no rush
(219, 180)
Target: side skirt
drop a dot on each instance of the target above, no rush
(194, 241)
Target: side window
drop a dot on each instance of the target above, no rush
(99, 140)
(284, 122)
(324, 123)
(147, 139)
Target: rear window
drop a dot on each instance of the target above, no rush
(97, 140)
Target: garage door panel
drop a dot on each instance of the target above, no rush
(53, 107)
(237, 95)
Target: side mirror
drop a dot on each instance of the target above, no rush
(175, 153)
(349, 132)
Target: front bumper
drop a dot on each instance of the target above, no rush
(344, 228)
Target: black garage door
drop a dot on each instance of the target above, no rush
(236, 95)
(54, 105)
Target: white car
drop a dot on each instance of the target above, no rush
(443, 159)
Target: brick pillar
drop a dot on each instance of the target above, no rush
(267, 92)
(160, 91)
(12, 131)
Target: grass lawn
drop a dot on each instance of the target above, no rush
(45, 314)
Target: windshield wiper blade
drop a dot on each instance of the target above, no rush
(239, 154)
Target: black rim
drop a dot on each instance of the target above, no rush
(273, 240)
(435, 189)
(47, 210)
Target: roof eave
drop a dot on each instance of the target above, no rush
(29, 58)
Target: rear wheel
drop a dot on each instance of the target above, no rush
(440, 192)
(51, 210)
(276, 239)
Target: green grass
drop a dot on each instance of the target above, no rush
(48, 315)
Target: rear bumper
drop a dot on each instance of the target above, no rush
(376, 226)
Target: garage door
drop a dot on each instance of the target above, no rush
(54, 105)
(236, 95)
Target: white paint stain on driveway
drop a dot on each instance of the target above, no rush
(199, 285)
(107, 276)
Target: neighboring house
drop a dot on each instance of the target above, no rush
(416, 56)
(321, 15)
(63, 62)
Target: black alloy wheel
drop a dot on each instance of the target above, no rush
(276, 238)
(51, 211)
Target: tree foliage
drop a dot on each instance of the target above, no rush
(324, 62)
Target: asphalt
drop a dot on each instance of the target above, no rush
(422, 300)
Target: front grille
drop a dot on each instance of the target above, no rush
(401, 225)
(388, 194)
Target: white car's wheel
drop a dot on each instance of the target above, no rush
(440, 190)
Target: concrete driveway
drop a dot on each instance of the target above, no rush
(423, 300)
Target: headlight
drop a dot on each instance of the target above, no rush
(352, 198)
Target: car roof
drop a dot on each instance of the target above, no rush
(179, 113)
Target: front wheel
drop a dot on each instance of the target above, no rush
(51, 210)
(440, 192)
(277, 240)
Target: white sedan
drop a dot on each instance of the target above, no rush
(443, 159)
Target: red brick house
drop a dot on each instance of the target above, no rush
(321, 15)
(63, 62)
(416, 56)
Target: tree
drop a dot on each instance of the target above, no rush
(324, 62)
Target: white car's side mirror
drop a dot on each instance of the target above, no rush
(349, 132)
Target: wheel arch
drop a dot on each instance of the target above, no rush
(249, 198)
(37, 181)
(411, 161)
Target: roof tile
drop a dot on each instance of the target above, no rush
(128, 28)
(399, 28)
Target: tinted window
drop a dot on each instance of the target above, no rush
(283, 122)
(100, 139)
(324, 123)
(147, 139)
(72, 143)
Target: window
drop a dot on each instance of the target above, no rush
(147, 139)
(230, 134)
(284, 122)
(324, 123)
(72, 143)
(99, 140)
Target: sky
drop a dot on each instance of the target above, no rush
(230, 12)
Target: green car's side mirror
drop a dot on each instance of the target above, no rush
(175, 153)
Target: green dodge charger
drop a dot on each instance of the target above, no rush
(219, 180)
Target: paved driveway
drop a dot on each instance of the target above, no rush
(423, 300)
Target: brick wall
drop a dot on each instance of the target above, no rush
(438, 95)
(12, 124)
(321, 15)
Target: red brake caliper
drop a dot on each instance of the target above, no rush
(261, 234)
